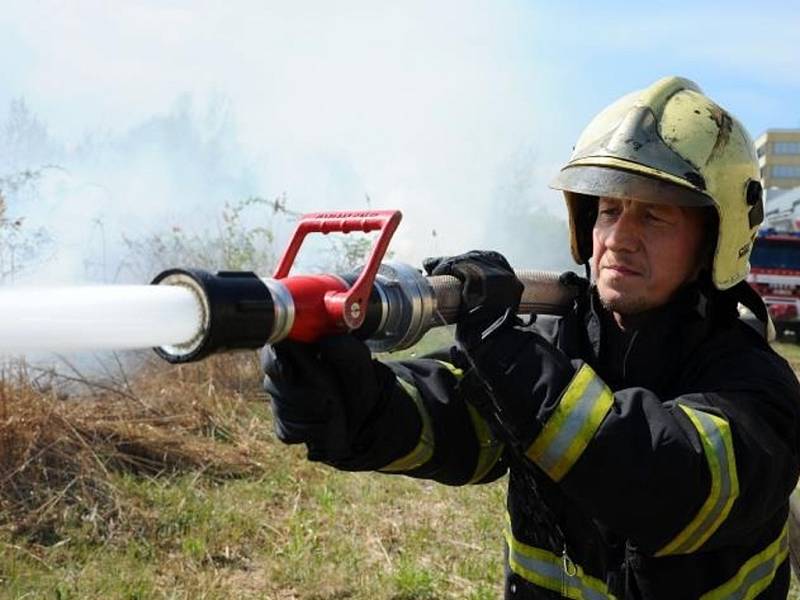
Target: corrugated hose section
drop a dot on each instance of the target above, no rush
(544, 293)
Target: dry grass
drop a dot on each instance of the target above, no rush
(170, 484)
(57, 451)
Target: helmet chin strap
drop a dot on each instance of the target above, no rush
(749, 298)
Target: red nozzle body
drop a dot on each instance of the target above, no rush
(324, 304)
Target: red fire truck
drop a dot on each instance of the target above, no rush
(775, 275)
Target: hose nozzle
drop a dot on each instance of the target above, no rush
(236, 307)
(391, 306)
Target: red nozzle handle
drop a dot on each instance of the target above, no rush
(350, 306)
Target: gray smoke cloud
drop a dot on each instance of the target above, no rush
(174, 169)
(163, 113)
(177, 169)
(152, 114)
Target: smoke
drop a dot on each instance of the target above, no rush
(458, 113)
(161, 114)
(128, 120)
(175, 169)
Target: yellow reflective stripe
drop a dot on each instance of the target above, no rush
(547, 570)
(423, 451)
(458, 373)
(489, 449)
(756, 574)
(715, 437)
(567, 432)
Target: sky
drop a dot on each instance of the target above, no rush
(450, 111)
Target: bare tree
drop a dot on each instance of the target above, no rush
(21, 247)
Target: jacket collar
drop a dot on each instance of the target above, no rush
(652, 354)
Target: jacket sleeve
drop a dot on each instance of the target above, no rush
(454, 446)
(677, 474)
(424, 428)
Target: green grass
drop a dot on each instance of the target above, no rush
(296, 530)
(790, 351)
(300, 530)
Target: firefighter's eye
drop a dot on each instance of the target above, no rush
(657, 216)
(608, 209)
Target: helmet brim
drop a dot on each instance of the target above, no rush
(623, 184)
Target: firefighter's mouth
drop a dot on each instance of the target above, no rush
(622, 270)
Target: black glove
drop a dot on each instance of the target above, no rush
(489, 297)
(513, 375)
(513, 381)
(323, 395)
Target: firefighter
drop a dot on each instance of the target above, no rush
(650, 436)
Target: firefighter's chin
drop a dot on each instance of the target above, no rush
(622, 300)
(624, 306)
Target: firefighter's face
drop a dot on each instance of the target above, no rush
(644, 252)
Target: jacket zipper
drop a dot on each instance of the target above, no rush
(627, 355)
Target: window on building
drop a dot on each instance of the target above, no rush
(786, 148)
(786, 171)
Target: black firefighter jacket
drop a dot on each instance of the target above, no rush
(663, 470)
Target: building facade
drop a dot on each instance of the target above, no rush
(779, 158)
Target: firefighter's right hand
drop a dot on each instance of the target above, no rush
(323, 394)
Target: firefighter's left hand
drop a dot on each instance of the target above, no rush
(512, 380)
(514, 372)
(490, 294)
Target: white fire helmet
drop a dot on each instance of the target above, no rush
(668, 143)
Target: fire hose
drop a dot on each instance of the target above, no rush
(389, 305)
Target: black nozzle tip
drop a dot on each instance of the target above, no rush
(238, 312)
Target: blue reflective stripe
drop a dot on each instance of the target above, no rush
(550, 572)
(715, 437)
(547, 570)
(756, 574)
(572, 425)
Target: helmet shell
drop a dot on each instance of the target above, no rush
(668, 143)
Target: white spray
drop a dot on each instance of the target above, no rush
(97, 317)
